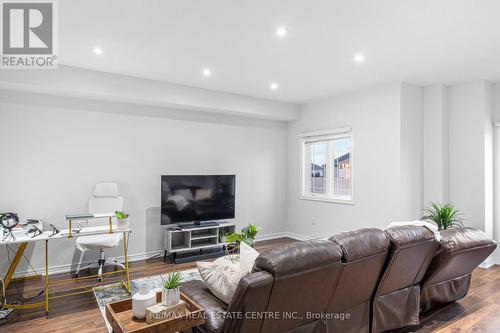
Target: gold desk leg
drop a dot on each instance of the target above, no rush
(47, 275)
(110, 226)
(14, 263)
(69, 233)
(125, 251)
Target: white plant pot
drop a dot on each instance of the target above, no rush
(122, 224)
(142, 300)
(170, 296)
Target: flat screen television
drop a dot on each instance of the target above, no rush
(197, 198)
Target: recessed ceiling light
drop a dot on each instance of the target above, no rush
(273, 86)
(281, 32)
(97, 50)
(359, 57)
(207, 72)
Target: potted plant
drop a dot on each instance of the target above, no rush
(446, 216)
(171, 294)
(249, 232)
(121, 220)
(246, 235)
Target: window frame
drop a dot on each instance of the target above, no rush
(335, 134)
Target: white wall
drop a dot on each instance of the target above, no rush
(56, 156)
(412, 146)
(376, 120)
(496, 165)
(469, 113)
(411, 187)
(436, 144)
(496, 102)
(489, 136)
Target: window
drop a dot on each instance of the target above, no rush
(327, 166)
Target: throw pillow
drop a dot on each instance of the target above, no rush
(247, 257)
(221, 280)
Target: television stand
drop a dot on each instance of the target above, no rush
(196, 243)
(198, 225)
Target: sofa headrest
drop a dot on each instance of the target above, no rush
(297, 257)
(408, 234)
(361, 243)
(457, 239)
(106, 190)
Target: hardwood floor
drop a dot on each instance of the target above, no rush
(477, 312)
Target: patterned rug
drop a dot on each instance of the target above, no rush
(118, 292)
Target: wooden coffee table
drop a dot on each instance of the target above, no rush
(119, 315)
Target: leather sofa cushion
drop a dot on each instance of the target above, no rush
(297, 257)
(214, 308)
(454, 240)
(408, 234)
(361, 243)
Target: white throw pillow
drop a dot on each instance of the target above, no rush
(431, 226)
(221, 280)
(247, 257)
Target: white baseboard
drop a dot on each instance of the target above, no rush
(489, 262)
(271, 236)
(298, 237)
(285, 234)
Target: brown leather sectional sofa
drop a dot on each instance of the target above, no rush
(366, 280)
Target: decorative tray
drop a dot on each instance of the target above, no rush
(119, 315)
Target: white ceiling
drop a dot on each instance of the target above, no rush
(417, 41)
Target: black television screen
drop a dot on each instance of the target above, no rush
(197, 198)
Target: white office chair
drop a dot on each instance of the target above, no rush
(105, 200)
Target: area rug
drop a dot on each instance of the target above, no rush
(117, 292)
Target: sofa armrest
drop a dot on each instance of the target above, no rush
(461, 251)
(214, 308)
(458, 239)
(251, 296)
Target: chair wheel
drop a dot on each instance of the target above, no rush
(99, 279)
(115, 268)
(77, 275)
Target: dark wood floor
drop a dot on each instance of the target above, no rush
(478, 312)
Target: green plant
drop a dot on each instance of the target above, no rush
(444, 215)
(234, 237)
(121, 215)
(171, 281)
(249, 231)
(247, 235)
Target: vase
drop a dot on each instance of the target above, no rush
(122, 224)
(170, 296)
(142, 300)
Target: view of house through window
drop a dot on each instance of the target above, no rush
(327, 167)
